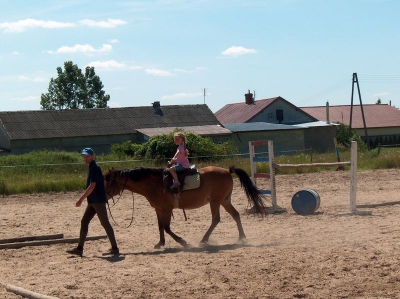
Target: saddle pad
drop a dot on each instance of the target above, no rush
(191, 182)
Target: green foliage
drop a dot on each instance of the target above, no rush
(127, 149)
(345, 137)
(162, 148)
(56, 171)
(74, 90)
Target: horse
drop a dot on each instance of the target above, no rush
(216, 186)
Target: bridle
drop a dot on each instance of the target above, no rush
(114, 184)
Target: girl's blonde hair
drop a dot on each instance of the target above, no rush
(183, 137)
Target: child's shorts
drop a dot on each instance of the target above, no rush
(179, 167)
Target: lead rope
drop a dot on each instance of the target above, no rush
(133, 211)
(109, 210)
(120, 195)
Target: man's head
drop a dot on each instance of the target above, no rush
(88, 155)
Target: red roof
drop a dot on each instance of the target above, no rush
(376, 115)
(242, 112)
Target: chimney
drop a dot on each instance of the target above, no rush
(249, 98)
(327, 113)
(157, 108)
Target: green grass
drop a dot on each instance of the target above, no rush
(57, 171)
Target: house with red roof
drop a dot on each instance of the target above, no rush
(381, 122)
(258, 120)
(291, 128)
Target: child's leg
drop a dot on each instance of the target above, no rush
(176, 183)
(173, 173)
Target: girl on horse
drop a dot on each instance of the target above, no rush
(180, 160)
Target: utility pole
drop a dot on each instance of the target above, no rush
(204, 95)
(355, 80)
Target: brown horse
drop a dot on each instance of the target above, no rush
(216, 185)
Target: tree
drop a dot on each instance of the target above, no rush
(74, 90)
(379, 101)
(345, 137)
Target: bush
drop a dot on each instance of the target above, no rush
(162, 148)
(127, 149)
(345, 137)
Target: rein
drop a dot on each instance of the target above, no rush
(120, 191)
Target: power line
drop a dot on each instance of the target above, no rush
(328, 90)
(343, 83)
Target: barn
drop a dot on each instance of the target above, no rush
(72, 129)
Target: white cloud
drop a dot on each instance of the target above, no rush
(381, 94)
(15, 53)
(40, 79)
(157, 72)
(22, 25)
(25, 99)
(84, 49)
(236, 51)
(182, 95)
(110, 23)
(113, 65)
(113, 41)
(190, 71)
(33, 79)
(184, 71)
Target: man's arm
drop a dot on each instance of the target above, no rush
(88, 191)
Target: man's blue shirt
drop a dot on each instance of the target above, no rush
(95, 175)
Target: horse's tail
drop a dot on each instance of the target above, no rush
(253, 194)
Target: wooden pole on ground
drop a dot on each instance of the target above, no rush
(47, 242)
(26, 293)
(32, 238)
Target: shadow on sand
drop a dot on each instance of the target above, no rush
(205, 248)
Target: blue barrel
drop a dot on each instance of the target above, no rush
(305, 202)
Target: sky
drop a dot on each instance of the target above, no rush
(183, 52)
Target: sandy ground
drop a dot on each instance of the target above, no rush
(286, 255)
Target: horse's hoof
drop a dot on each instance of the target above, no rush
(158, 246)
(243, 241)
(184, 243)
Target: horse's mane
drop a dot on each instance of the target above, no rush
(138, 173)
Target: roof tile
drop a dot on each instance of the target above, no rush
(376, 115)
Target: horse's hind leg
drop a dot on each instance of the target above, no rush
(227, 204)
(164, 223)
(216, 218)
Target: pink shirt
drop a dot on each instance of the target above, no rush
(181, 157)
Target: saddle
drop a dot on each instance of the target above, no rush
(189, 179)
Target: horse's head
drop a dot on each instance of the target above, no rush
(111, 182)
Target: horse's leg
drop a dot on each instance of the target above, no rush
(167, 227)
(164, 224)
(227, 204)
(216, 218)
(161, 230)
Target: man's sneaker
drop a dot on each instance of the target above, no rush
(176, 184)
(112, 251)
(75, 251)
